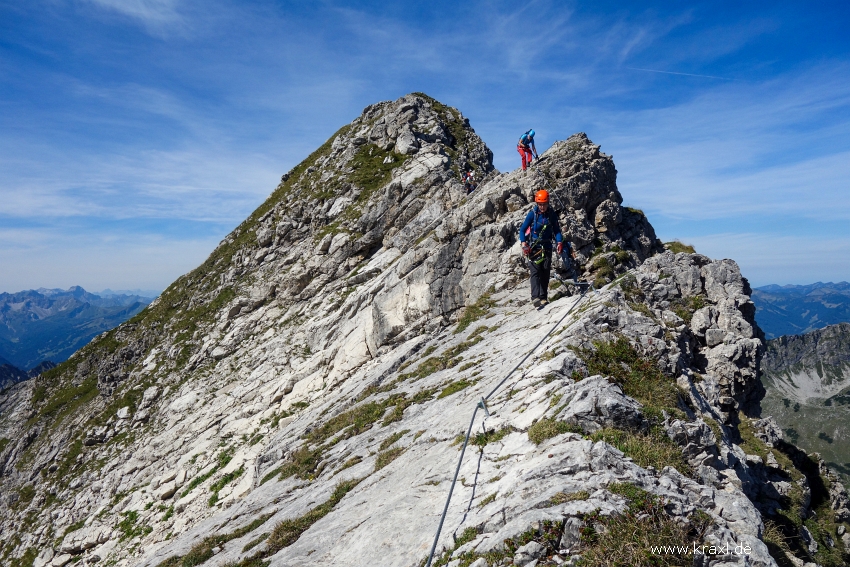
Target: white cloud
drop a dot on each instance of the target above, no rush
(96, 261)
(779, 259)
(778, 147)
(199, 183)
(149, 12)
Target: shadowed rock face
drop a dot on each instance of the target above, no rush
(298, 396)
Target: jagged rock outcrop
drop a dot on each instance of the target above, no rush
(299, 397)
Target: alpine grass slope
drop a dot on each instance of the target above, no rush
(301, 397)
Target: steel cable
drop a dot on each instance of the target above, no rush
(482, 405)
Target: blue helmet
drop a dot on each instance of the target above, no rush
(531, 133)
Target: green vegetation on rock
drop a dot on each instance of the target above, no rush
(204, 550)
(638, 375)
(475, 311)
(629, 538)
(678, 246)
(646, 448)
(546, 428)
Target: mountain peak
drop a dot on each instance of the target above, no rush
(298, 397)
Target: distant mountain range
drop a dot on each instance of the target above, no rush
(807, 379)
(11, 374)
(51, 324)
(797, 309)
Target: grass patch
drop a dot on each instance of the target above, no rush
(652, 448)
(388, 456)
(130, 528)
(73, 527)
(25, 495)
(221, 461)
(28, 558)
(604, 271)
(564, 497)
(449, 359)
(546, 428)
(685, 307)
(627, 539)
(204, 550)
(639, 376)
(548, 534)
(475, 311)
(254, 542)
(287, 532)
(350, 463)
(642, 308)
(677, 246)
(494, 435)
(454, 388)
(303, 462)
(631, 290)
(392, 439)
(784, 534)
(486, 500)
(370, 173)
(67, 400)
(349, 423)
(222, 482)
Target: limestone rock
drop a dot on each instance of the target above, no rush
(275, 380)
(528, 553)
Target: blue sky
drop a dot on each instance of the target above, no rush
(135, 134)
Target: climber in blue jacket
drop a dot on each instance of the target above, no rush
(536, 234)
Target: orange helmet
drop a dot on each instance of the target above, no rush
(541, 196)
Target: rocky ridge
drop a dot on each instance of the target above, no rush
(298, 397)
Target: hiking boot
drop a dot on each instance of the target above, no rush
(544, 302)
(536, 303)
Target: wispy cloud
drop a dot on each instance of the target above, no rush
(193, 121)
(681, 74)
(781, 146)
(122, 261)
(149, 12)
(776, 258)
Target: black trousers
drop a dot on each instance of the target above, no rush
(540, 274)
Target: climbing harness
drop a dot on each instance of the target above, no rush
(482, 405)
(538, 253)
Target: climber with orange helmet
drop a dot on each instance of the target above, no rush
(536, 234)
(525, 147)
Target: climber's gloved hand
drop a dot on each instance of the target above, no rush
(525, 248)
